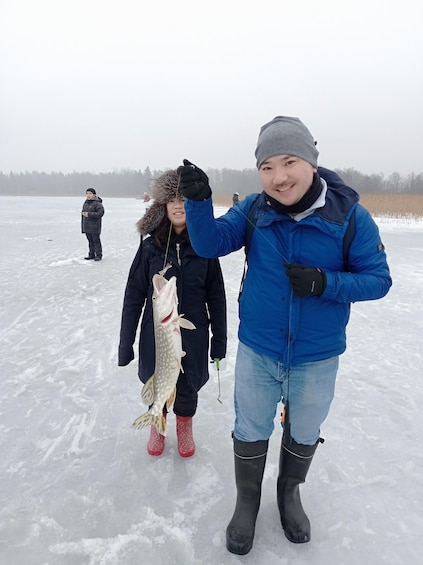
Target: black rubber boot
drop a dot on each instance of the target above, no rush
(250, 460)
(294, 463)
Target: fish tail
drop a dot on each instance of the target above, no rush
(171, 400)
(149, 419)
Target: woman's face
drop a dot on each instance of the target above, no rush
(176, 213)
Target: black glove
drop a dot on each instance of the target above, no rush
(306, 281)
(193, 182)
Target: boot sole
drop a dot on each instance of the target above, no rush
(296, 540)
(238, 548)
(187, 453)
(296, 537)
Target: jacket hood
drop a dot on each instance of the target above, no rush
(93, 199)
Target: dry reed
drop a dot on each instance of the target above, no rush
(391, 205)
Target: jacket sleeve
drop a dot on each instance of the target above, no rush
(224, 234)
(98, 212)
(133, 303)
(368, 277)
(216, 303)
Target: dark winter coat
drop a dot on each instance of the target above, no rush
(95, 210)
(202, 300)
(273, 321)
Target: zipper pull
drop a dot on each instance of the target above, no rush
(178, 247)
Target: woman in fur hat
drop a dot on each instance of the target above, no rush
(201, 296)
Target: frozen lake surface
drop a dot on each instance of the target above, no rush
(77, 484)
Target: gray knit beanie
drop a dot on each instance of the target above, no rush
(286, 136)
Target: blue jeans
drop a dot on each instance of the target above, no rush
(261, 383)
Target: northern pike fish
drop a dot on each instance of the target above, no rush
(160, 389)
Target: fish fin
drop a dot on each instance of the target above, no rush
(181, 369)
(143, 420)
(186, 324)
(161, 425)
(149, 419)
(148, 390)
(171, 400)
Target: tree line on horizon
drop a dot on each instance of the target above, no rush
(134, 183)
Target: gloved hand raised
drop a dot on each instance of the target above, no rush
(193, 182)
(306, 281)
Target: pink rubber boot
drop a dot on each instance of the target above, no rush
(155, 445)
(186, 445)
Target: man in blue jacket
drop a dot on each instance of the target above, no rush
(293, 309)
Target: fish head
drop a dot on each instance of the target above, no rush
(165, 300)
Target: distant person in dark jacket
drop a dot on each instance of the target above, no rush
(235, 198)
(201, 297)
(293, 310)
(92, 212)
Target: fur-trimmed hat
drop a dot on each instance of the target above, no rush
(163, 189)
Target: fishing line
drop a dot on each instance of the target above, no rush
(217, 363)
(170, 226)
(167, 246)
(262, 234)
(288, 369)
(289, 348)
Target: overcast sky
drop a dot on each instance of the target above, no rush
(101, 85)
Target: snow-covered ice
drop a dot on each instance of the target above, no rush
(77, 485)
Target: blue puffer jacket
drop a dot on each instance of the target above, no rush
(273, 321)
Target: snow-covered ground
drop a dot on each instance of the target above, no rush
(77, 485)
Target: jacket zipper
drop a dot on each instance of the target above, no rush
(178, 247)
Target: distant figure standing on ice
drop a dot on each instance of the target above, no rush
(235, 198)
(92, 212)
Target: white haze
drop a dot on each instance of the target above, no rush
(100, 85)
(77, 485)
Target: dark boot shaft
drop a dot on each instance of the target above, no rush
(294, 463)
(295, 460)
(250, 461)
